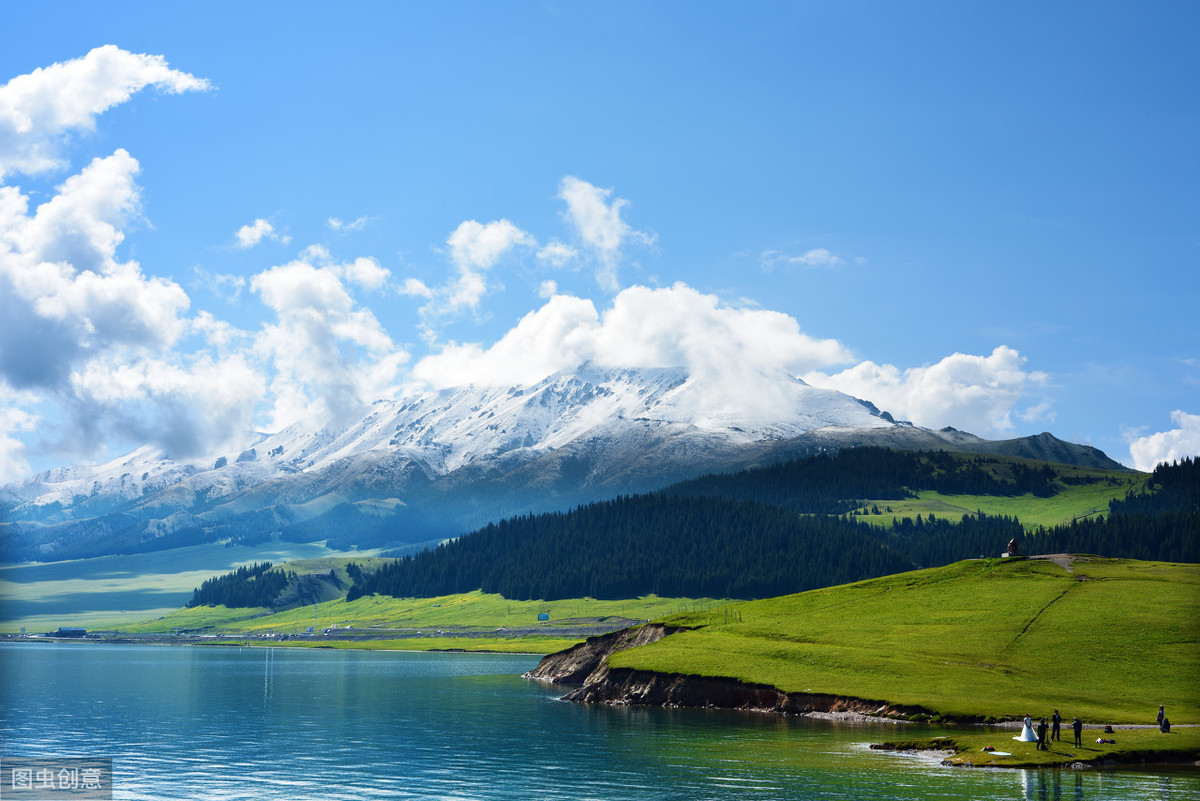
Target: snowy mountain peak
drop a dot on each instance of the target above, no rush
(636, 426)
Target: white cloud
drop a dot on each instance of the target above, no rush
(13, 420)
(975, 393)
(599, 226)
(1168, 446)
(250, 235)
(474, 245)
(64, 296)
(365, 272)
(735, 349)
(38, 110)
(548, 289)
(330, 356)
(189, 404)
(336, 224)
(217, 333)
(557, 254)
(560, 334)
(474, 249)
(814, 258)
(415, 287)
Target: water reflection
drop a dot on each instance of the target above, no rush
(198, 723)
(1046, 785)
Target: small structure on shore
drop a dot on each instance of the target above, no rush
(1013, 549)
(69, 632)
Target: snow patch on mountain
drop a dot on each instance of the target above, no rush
(439, 432)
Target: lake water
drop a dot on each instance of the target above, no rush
(259, 723)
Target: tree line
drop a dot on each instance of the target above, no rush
(835, 483)
(255, 585)
(681, 542)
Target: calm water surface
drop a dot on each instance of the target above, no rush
(251, 723)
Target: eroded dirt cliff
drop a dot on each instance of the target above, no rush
(586, 664)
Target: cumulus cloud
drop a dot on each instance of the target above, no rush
(416, 288)
(366, 272)
(330, 355)
(976, 393)
(14, 420)
(475, 248)
(597, 222)
(1168, 446)
(735, 349)
(65, 295)
(188, 404)
(814, 258)
(39, 110)
(250, 235)
(97, 339)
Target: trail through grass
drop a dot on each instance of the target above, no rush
(1107, 640)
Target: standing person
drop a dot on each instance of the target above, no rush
(1161, 714)
(1054, 723)
(1041, 732)
(1027, 734)
(1077, 725)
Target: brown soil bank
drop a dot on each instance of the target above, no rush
(586, 664)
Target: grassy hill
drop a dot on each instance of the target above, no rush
(460, 612)
(1108, 640)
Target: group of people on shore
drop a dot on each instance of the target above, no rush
(1031, 734)
(1164, 725)
(1040, 736)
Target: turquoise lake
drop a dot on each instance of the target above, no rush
(273, 723)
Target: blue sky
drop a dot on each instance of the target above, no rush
(977, 216)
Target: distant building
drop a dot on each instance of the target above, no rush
(66, 632)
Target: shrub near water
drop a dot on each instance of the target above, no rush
(1108, 640)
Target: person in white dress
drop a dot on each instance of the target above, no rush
(1028, 735)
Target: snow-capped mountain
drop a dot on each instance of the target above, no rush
(442, 462)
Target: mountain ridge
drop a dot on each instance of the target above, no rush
(452, 459)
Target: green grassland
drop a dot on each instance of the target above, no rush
(118, 591)
(1131, 745)
(1108, 640)
(465, 611)
(1073, 501)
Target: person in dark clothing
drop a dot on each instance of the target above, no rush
(1165, 726)
(1077, 726)
(1054, 726)
(1041, 730)
(1161, 714)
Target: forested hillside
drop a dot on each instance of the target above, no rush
(834, 484)
(742, 536)
(1160, 524)
(256, 585)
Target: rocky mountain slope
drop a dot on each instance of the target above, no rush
(440, 463)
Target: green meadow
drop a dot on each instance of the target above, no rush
(1072, 502)
(1108, 640)
(120, 591)
(472, 611)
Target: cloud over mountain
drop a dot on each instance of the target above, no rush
(108, 350)
(977, 393)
